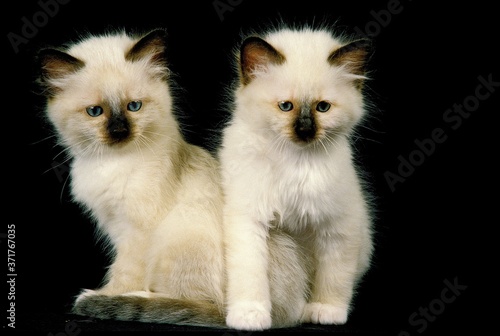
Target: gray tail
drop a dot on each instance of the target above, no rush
(151, 310)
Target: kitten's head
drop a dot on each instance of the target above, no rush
(107, 91)
(302, 84)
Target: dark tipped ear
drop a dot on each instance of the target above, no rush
(152, 46)
(54, 64)
(353, 56)
(255, 53)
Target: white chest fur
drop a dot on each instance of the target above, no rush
(313, 188)
(120, 193)
(300, 187)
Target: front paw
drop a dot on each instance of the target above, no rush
(322, 313)
(248, 316)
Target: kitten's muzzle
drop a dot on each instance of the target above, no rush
(118, 128)
(305, 125)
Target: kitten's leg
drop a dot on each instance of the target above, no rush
(338, 267)
(289, 273)
(186, 259)
(248, 294)
(127, 272)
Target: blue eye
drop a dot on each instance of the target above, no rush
(323, 106)
(134, 105)
(285, 106)
(94, 111)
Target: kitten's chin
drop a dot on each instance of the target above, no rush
(303, 140)
(109, 145)
(118, 140)
(311, 145)
(300, 143)
(118, 143)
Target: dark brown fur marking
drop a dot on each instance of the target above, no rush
(354, 57)
(151, 310)
(152, 46)
(254, 53)
(54, 64)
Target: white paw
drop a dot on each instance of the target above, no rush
(248, 316)
(85, 294)
(322, 313)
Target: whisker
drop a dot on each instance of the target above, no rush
(278, 144)
(274, 144)
(44, 139)
(331, 140)
(154, 133)
(146, 142)
(177, 142)
(136, 144)
(324, 147)
(283, 142)
(356, 135)
(62, 189)
(59, 164)
(65, 150)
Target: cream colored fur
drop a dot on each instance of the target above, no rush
(308, 189)
(155, 198)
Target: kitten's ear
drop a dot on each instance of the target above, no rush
(353, 56)
(54, 65)
(256, 55)
(153, 48)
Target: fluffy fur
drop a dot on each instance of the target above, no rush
(287, 165)
(156, 199)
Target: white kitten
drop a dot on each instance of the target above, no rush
(287, 165)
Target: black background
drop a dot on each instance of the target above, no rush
(436, 226)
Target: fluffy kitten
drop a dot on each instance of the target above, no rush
(287, 165)
(156, 198)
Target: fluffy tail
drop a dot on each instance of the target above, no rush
(152, 310)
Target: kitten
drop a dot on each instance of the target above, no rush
(287, 165)
(156, 199)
